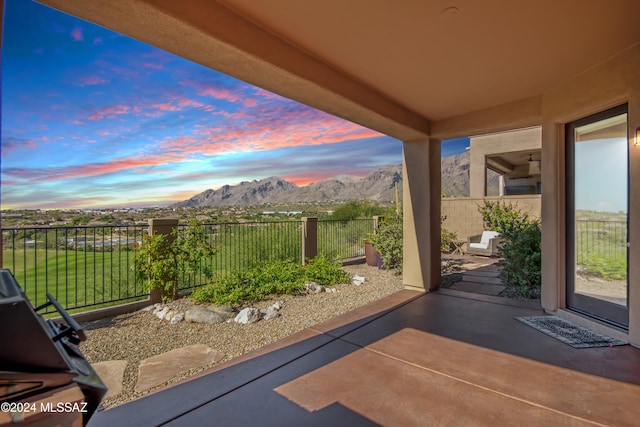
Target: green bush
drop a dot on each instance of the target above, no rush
(161, 260)
(520, 248)
(267, 279)
(388, 242)
(446, 237)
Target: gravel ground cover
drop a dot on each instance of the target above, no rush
(139, 335)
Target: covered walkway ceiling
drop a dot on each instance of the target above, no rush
(407, 68)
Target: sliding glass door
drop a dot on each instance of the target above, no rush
(597, 216)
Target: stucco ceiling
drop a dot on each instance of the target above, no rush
(442, 58)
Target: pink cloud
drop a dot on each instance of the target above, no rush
(87, 170)
(186, 102)
(167, 106)
(76, 34)
(153, 65)
(10, 144)
(91, 81)
(217, 93)
(109, 111)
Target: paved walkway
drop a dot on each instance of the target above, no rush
(445, 357)
(480, 275)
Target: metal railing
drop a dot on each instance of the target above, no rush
(241, 245)
(343, 239)
(91, 267)
(80, 266)
(604, 238)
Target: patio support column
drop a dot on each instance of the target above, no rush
(421, 214)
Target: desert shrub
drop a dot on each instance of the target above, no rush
(446, 237)
(388, 242)
(267, 279)
(161, 260)
(520, 247)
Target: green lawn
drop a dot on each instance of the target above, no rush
(74, 278)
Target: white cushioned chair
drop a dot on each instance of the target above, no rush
(484, 244)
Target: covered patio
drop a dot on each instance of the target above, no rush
(424, 72)
(414, 359)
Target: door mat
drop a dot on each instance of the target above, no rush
(568, 332)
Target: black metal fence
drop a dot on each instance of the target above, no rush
(604, 238)
(80, 266)
(343, 239)
(90, 267)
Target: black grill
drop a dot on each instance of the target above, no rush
(38, 355)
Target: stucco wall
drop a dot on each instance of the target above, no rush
(611, 83)
(464, 218)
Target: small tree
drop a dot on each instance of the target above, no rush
(520, 248)
(161, 260)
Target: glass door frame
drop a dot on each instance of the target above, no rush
(609, 312)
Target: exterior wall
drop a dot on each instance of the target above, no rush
(497, 143)
(611, 83)
(465, 220)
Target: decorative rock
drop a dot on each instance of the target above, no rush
(270, 313)
(248, 315)
(170, 315)
(313, 287)
(149, 307)
(207, 314)
(357, 280)
(277, 305)
(177, 318)
(161, 313)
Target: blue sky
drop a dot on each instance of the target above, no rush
(91, 118)
(602, 175)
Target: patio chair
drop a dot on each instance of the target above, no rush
(484, 244)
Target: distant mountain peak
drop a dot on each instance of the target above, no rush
(379, 185)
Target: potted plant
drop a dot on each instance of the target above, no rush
(388, 243)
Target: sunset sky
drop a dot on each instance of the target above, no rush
(91, 118)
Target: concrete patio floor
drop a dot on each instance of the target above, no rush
(441, 358)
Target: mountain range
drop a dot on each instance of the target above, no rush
(379, 185)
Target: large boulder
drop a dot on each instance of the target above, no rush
(209, 314)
